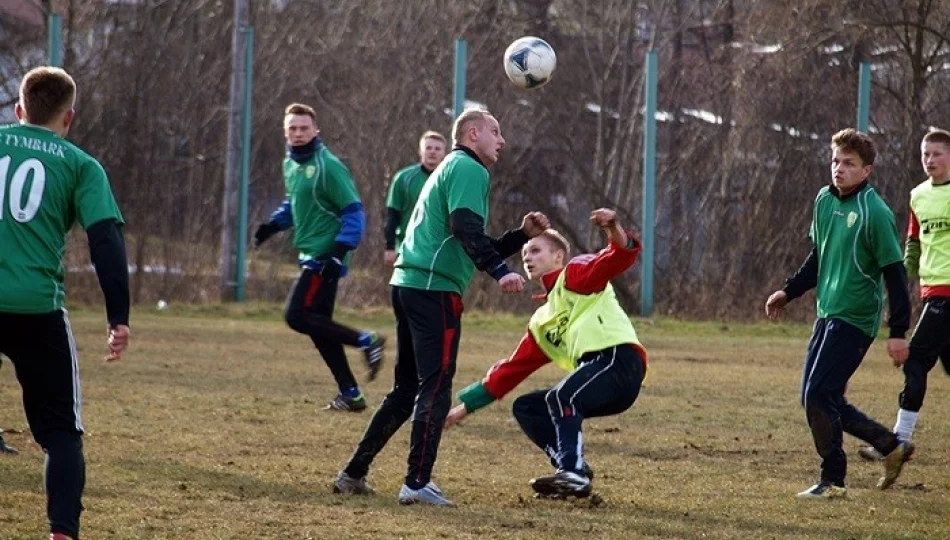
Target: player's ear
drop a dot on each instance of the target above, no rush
(68, 118)
(19, 112)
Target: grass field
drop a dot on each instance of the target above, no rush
(211, 428)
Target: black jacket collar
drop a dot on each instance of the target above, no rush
(471, 153)
(860, 188)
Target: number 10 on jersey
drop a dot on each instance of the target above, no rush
(18, 210)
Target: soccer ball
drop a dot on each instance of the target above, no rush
(530, 62)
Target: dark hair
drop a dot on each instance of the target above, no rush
(855, 141)
(936, 135)
(46, 92)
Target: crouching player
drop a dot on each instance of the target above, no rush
(581, 328)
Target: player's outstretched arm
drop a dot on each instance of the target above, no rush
(501, 379)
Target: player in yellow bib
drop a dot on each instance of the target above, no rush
(927, 258)
(582, 329)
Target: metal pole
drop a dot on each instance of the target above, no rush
(649, 186)
(864, 96)
(241, 277)
(54, 53)
(461, 62)
(233, 151)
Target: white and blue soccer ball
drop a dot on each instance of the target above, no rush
(530, 62)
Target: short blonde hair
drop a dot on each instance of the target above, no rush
(465, 121)
(558, 241)
(431, 135)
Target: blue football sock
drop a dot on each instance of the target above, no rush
(366, 338)
(352, 392)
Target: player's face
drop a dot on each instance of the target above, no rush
(431, 152)
(539, 257)
(487, 140)
(935, 157)
(847, 170)
(299, 129)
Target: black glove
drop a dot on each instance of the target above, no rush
(265, 231)
(333, 262)
(331, 268)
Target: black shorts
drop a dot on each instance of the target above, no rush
(43, 352)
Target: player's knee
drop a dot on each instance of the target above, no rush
(815, 400)
(294, 317)
(402, 400)
(520, 408)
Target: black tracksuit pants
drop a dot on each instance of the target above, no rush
(931, 341)
(428, 328)
(834, 353)
(43, 352)
(605, 383)
(309, 311)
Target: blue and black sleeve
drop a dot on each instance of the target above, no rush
(352, 227)
(283, 217)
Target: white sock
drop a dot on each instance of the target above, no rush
(906, 421)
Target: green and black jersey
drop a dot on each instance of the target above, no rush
(402, 196)
(855, 237)
(431, 257)
(46, 185)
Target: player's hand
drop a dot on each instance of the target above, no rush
(118, 342)
(456, 415)
(898, 350)
(604, 218)
(512, 282)
(390, 257)
(265, 231)
(775, 303)
(535, 223)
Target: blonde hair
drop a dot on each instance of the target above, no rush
(558, 241)
(431, 135)
(465, 121)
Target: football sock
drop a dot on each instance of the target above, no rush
(365, 339)
(906, 422)
(353, 392)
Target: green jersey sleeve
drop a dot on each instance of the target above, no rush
(394, 197)
(339, 185)
(882, 229)
(468, 188)
(93, 197)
